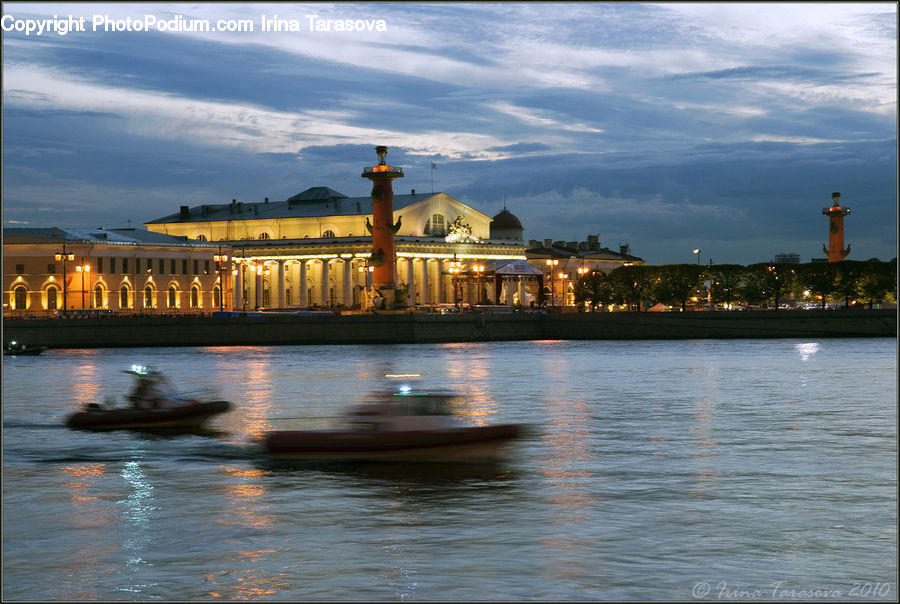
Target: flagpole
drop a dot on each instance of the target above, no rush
(433, 168)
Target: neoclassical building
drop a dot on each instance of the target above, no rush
(46, 270)
(312, 250)
(309, 251)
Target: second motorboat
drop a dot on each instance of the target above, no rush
(401, 425)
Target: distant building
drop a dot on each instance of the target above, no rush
(564, 262)
(121, 270)
(787, 258)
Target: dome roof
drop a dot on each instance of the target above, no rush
(505, 220)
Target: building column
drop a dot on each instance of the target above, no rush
(411, 277)
(280, 277)
(326, 299)
(439, 281)
(259, 283)
(426, 294)
(238, 292)
(348, 283)
(521, 291)
(304, 292)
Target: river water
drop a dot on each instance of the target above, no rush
(660, 470)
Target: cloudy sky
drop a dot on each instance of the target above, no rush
(666, 126)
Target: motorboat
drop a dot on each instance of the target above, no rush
(15, 349)
(152, 404)
(405, 425)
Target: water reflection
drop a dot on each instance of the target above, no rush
(807, 350)
(136, 519)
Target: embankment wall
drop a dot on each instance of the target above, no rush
(416, 328)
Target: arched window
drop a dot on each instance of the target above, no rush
(98, 296)
(438, 228)
(217, 297)
(263, 235)
(173, 296)
(201, 237)
(20, 297)
(148, 297)
(195, 296)
(52, 298)
(329, 234)
(123, 297)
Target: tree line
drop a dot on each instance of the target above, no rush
(849, 282)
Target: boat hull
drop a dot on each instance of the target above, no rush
(453, 444)
(189, 416)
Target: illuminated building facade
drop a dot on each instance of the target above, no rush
(314, 250)
(123, 270)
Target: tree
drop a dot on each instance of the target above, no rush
(877, 281)
(767, 282)
(725, 283)
(846, 281)
(595, 289)
(818, 278)
(631, 284)
(677, 283)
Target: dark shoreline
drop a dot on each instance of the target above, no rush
(135, 331)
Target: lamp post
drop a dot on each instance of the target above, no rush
(552, 263)
(220, 258)
(366, 272)
(454, 270)
(82, 268)
(697, 251)
(562, 279)
(479, 269)
(64, 256)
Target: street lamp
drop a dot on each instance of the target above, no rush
(551, 264)
(220, 258)
(83, 268)
(454, 270)
(562, 279)
(64, 256)
(697, 251)
(478, 268)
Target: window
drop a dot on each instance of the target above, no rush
(98, 296)
(184, 266)
(172, 266)
(206, 267)
(217, 297)
(329, 234)
(52, 303)
(124, 266)
(137, 265)
(437, 225)
(20, 297)
(112, 265)
(201, 237)
(123, 297)
(148, 297)
(266, 296)
(263, 235)
(173, 295)
(196, 266)
(51, 268)
(99, 265)
(195, 296)
(20, 269)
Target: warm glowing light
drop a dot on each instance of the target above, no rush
(381, 168)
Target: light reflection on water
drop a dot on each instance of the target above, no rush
(656, 465)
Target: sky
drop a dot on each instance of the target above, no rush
(665, 126)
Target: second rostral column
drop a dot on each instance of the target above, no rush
(383, 230)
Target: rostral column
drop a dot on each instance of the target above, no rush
(835, 250)
(383, 228)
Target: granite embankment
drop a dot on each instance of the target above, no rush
(422, 328)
